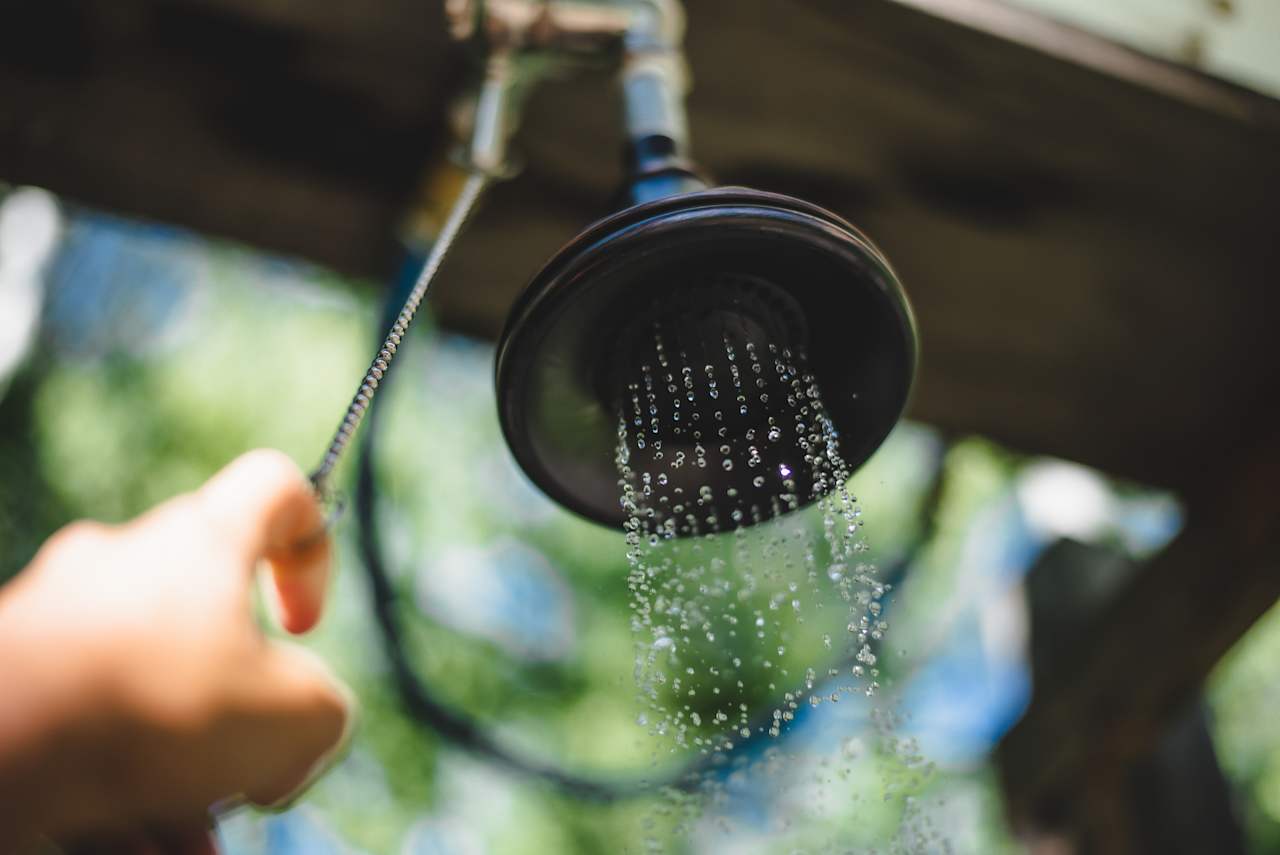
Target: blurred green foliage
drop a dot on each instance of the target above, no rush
(1244, 695)
(256, 360)
(253, 356)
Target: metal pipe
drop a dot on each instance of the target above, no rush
(655, 81)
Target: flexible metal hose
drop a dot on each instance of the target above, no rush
(458, 215)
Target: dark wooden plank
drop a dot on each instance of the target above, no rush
(1091, 260)
(1088, 234)
(305, 140)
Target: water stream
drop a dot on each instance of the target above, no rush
(732, 596)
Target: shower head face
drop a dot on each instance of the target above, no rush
(718, 310)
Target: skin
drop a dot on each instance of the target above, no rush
(139, 691)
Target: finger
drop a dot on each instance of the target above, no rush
(308, 714)
(300, 576)
(264, 507)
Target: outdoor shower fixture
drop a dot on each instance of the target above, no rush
(700, 267)
(704, 267)
(694, 269)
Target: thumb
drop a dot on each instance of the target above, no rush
(263, 507)
(307, 715)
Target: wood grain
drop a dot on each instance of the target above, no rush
(1088, 235)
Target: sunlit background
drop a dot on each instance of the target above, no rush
(136, 359)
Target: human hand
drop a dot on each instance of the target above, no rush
(138, 689)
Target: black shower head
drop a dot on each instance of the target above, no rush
(680, 280)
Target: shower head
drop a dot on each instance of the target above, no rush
(695, 324)
(634, 318)
(693, 318)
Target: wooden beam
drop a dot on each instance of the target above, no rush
(289, 128)
(1098, 715)
(1088, 234)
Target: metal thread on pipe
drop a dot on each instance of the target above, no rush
(654, 87)
(654, 81)
(491, 125)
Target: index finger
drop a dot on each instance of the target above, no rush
(266, 507)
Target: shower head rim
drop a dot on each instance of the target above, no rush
(535, 311)
(619, 222)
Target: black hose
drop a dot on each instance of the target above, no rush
(419, 702)
(463, 730)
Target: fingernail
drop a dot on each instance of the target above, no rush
(309, 541)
